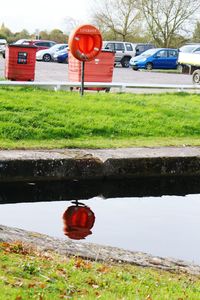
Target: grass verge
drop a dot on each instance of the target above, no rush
(170, 71)
(31, 118)
(28, 274)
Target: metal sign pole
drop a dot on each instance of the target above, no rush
(82, 77)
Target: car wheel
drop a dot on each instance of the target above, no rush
(185, 69)
(125, 62)
(47, 57)
(179, 68)
(149, 66)
(135, 69)
(196, 77)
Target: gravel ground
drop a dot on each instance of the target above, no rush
(59, 72)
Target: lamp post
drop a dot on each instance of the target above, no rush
(37, 34)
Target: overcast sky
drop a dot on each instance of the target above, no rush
(42, 14)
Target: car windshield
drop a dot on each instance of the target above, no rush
(188, 49)
(3, 41)
(57, 46)
(149, 52)
(20, 42)
(63, 51)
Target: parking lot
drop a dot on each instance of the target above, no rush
(59, 72)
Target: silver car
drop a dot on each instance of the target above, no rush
(47, 54)
(123, 51)
(190, 48)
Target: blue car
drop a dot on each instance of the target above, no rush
(159, 58)
(61, 56)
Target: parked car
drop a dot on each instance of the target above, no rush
(47, 54)
(123, 51)
(40, 44)
(191, 61)
(159, 58)
(142, 47)
(3, 44)
(190, 48)
(61, 56)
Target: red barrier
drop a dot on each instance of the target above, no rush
(20, 62)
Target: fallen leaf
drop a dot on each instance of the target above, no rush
(103, 269)
(31, 285)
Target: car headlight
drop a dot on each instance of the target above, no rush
(133, 62)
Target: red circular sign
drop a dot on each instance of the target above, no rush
(85, 42)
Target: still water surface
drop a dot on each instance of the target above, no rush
(166, 226)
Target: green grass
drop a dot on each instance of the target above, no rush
(171, 71)
(44, 119)
(28, 274)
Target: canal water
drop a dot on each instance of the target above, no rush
(161, 225)
(132, 216)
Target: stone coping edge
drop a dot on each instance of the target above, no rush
(98, 164)
(95, 252)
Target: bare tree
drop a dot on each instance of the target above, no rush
(168, 18)
(71, 23)
(117, 17)
(196, 33)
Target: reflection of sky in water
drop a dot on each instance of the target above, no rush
(166, 226)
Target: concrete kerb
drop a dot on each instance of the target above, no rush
(72, 164)
(119, 86)
(95, 252)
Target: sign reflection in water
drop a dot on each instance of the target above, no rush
(137, 214)
(78, 221)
